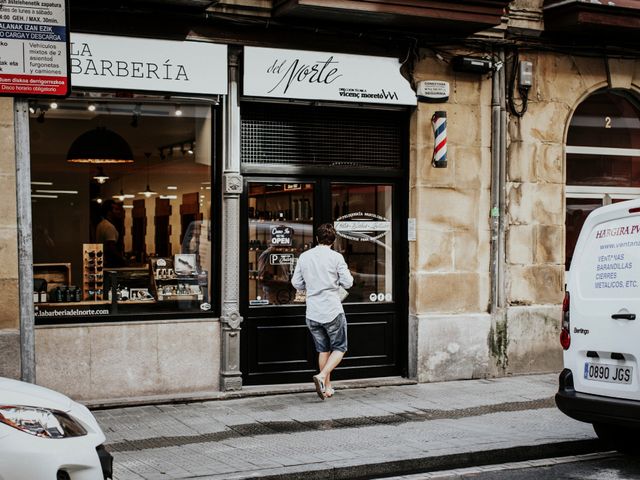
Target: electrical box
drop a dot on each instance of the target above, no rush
(471, 64)
(526, 74)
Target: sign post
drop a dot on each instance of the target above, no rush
(34, 48)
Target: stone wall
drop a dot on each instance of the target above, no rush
(449, 261)
(127, 360)
(451, 334)
(9, 306)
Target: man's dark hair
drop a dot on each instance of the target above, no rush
(326, 234)
(106, 207)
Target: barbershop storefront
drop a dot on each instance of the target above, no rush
(324, 138)
(126, 212)
(140, 188)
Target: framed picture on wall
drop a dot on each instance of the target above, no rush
(185, 264)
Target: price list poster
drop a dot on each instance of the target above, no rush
(34, 48)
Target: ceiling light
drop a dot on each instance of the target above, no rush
(53, 105)
(171, 187)
(91, 107)
(168, 197)
(100, 145)
(148, 193)
(70, 192)
(41, 183)
(32, 110)
(123, 196)
(100, 177)
(127, 206)
(39, 195)
(98, 200)
(178, 111)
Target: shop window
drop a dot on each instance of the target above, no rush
(121, 206)
(603, 158)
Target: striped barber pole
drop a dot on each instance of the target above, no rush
(439, 124)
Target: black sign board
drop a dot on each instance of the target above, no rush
(281, 236)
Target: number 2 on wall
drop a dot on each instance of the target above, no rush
(607, 122)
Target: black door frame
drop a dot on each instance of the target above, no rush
(322, 213)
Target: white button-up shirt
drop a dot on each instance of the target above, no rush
(321, 271)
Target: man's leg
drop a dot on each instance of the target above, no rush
(331, 362)
(322, 361)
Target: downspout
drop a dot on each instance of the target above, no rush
(498, 183)
(25, 249)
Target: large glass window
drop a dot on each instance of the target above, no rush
(603, 158)
(362, 218)
(121, 202)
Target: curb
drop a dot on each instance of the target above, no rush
(348, 470)
(245, 392)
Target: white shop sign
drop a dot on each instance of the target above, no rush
(304, 75)
(128, 63)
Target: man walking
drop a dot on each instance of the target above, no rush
(321, 271)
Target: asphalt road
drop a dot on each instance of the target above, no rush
(605, 466)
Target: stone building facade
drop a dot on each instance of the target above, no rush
(486, 269)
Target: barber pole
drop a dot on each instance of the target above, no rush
(439, 124)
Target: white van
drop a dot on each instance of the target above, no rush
(600, 383)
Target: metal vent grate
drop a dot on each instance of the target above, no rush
(321, 136)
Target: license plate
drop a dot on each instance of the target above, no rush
(603, 372)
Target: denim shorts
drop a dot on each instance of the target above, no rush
(329, 337)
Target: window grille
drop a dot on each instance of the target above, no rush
(275, 134)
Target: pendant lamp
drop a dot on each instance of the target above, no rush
(100, 145)
(148, 193)
(101, 177)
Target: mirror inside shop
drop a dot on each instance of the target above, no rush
(121, 206)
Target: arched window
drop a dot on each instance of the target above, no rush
(603, 158)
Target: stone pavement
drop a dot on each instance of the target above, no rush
(359, 433)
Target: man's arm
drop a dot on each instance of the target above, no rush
(344, 275)
(298, 280)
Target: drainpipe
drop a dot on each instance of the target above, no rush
(230, 320)
(25, 249)
(498, 184)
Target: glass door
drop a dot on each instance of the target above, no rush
(282, 215)
(280, 228)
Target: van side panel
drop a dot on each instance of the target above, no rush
(604, 284)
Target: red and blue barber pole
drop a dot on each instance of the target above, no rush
(439, 124)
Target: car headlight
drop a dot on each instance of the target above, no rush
(41, 422)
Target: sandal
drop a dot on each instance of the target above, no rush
(320, 388)
(329, 392)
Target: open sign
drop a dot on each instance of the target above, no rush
(281, 235)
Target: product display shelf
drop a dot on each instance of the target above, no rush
(92, 272)
(54, 274)
(168, 285)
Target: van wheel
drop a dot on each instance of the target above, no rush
(625, 440)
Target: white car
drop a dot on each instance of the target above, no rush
(44, 435)
(600, 383)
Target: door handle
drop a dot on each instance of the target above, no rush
(624, 316)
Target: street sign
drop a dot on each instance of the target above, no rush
(34, 48)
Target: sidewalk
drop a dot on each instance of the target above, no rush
(359, 433)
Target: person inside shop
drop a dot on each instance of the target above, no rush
(108, 233)
(321, 271)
